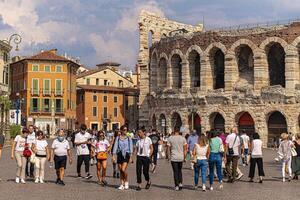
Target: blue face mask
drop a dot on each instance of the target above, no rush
(60, 138)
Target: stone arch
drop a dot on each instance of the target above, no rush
(270, 40)
(277, 123)
(245, 122)
(195, 122)
(153, 67)
(195, 48)
(240, 42)
(176, 120)
(218, 45)
(175, 59)
(217, 121)
(162, 71)
(194, 68)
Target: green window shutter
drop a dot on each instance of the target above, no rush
(38, 104)
(58, 87)
(31, 104)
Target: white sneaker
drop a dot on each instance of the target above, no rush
(17, 180)
(41, 181)
(204, 188)
(126, 187)
(121, 187)
(240, 176)
(211, 188)
(23, 181)
(221, 186)
(283, 180)
(36, 180)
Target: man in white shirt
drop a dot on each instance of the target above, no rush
(233, 144)
(144, 150)
(246, 142)
(30, 140)
(82, 140)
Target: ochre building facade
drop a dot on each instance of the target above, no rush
(218, 79)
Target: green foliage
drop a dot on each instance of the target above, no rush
(6, 102)
(14, 130)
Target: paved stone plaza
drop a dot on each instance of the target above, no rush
(162, 185)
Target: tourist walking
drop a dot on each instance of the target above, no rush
(201, 153)
(122, 154)
(246, 142)
(191, 141)
(296, 157)
(116, 172)
(100, 149)
(178, 151)
(155, 138)
(144, 149)
(285, 155)
(41, 151)
(30, 140)
(59, 154)
(233, 144)
(215, 159)
(256, 158)
(20, 151)
(82, 140)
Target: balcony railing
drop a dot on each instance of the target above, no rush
(35, 92)
(57, 111)
(58, 92)
(46, 92)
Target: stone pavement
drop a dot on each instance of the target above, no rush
(162, 185)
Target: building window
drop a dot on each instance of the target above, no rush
(120, 83)
(94, 98)
(58, 68)
(97, 81)
(35, 86)
(5, 57)
(46, 105)
(115, 99)
(126, 104)
(95, 111)
(104, 72)
(105, 99)
(58, 87)
(47, 89)
(88, 81)
(35, 68)
(105, 82)
(105, 112)
(115, 112)
(47, 68)
(58, 105)
(34, 104)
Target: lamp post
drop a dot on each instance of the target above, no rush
(18, 107)
(15, 38)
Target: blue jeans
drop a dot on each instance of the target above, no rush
(215, 160)
(200, 165)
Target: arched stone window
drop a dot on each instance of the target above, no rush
(276, 125)
(217, 121)
(195, 122)
(245, 62)
(176, 120)
(176, 68)
(162, 73)
(194, 61)
(162, 124)
(276, 64)
(217, 60)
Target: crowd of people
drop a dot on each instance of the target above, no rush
(213, 154)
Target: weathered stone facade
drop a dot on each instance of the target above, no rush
(219, 79)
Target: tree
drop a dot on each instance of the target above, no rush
(5, 105)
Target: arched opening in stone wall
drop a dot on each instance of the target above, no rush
(176, 120)
(195, 122)
(217, 60)
(194, 61)
(245, 62)
(276, 125)
(162, 124)
(153, 72)
(276, 64)
(154, 122)
(245, 123)
(162, 73)
(176, 69)
(150, 38)
(217, 121)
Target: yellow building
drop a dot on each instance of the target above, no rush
(105, 99)
(45, 84)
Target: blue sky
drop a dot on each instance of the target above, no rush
(101, 30)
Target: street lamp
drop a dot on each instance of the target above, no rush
(15, 38)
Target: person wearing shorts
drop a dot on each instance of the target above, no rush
(60, 153)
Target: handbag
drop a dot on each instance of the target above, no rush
(230, 150)
(26, 152)
(101, 156)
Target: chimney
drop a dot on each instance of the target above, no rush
(54, 51)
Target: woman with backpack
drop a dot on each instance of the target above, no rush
(122, 153)
(100, 149)
(285, 155)
(201, 154)
(20, 151)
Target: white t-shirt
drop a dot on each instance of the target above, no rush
(31, 139)
(60, 148)
(245, 141)
(20, 143)
(83, 148)
(201, 152)
(235, 145)
(101, 146)
(40, 146)
(143, 147)
(257, 148)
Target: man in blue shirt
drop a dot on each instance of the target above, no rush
(192, 140)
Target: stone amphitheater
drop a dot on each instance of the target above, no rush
(218, 79)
